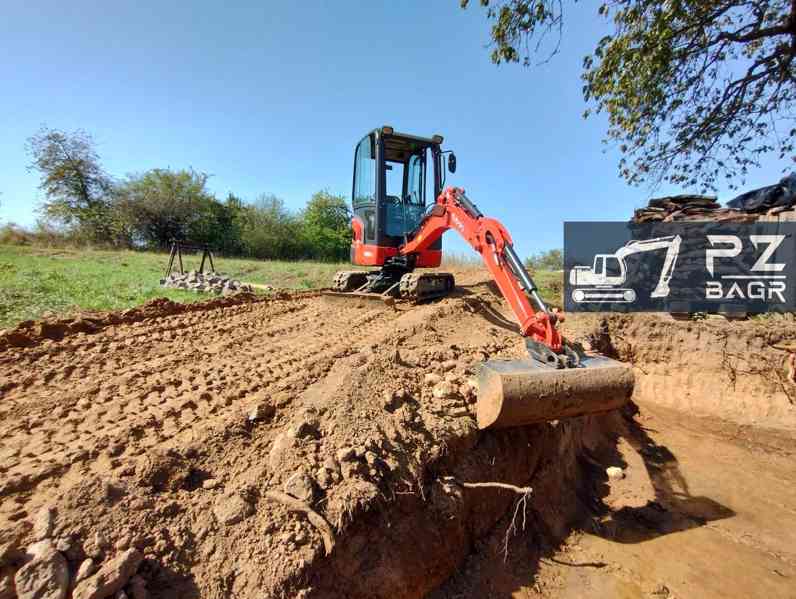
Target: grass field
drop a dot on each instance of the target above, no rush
(35, 281)
(38, 281)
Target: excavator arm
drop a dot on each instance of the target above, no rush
(488, 237)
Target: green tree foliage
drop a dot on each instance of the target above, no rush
(74, 184)
(549, 260)
(269, 230)
(695, 91)
(161, 205)
(326, 225)
(151, 209)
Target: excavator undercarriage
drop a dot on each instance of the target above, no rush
(411, 286)
(399, 234)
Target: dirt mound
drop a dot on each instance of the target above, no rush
(282, 447)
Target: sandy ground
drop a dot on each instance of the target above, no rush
(166, 432)
(705, 509)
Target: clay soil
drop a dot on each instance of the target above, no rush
(179, 431)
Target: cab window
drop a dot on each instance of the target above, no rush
(364, 173)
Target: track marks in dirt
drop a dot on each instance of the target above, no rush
(100, 401)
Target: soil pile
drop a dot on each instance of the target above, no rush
(284, 447)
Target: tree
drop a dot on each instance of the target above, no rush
(549, 260)
(694, 90)
(269, 230)
(74, 183)
(161, 205)
(327, 226)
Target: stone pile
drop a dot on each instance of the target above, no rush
(210, 282)
(678, 208)
(54, 567)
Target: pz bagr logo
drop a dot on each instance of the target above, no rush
(764, 281)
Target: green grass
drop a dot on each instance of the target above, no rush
(38, 281)
(551, 286)
(35, 281)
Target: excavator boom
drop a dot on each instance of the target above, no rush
(557, 381)
(488, 237)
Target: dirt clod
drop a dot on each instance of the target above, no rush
(231, 509)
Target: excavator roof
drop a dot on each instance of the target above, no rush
(399, 146)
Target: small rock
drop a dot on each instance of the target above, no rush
(44, 577)
(262, 411)
(210, 483)
(64, 544)
(110, 578)
(444, 389)
(231, 509)
(39, 548)
(615, 473)
(121, 595)
(301, 486)
(324, 478)
(281, 443)
(87, 568)
(307, 426)
(331, 464)
(448, 365)
(432, 379)
(96, 545)
(43, 523)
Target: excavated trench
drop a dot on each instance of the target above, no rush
(172, 432)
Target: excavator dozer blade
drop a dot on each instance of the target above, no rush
(358, 298)
(520, 392)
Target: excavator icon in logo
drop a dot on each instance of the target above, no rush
(604, 280)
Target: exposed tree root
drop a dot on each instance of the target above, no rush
(318, 521)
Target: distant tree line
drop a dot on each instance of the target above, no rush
(150, 209)
(548, 260)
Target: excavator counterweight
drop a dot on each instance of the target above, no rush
(393, 229)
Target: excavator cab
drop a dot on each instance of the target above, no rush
(396, 177)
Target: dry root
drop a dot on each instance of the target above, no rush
(318, 521)
(522, 502)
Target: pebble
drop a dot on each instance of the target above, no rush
(448, 365)
(432, 379)
(615, 473)
(231, 509)
(444, 389)
(87, 568)
(44, 577)
(262, 411)
(301, 486)
(110, 578)
(43, 523)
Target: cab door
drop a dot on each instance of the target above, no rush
(364, 192)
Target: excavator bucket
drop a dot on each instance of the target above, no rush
(520, 392)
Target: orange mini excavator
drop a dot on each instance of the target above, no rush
(395, 230)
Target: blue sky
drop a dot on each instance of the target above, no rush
(272, 98)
